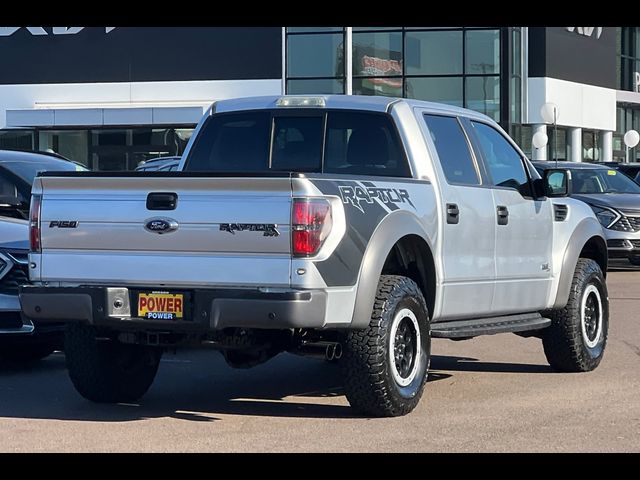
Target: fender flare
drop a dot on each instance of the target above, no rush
(586, 230)
(394, 227)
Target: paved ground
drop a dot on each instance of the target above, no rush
(488, 394)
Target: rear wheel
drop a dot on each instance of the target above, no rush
(385, 365)
(107, 371)
(576, 339)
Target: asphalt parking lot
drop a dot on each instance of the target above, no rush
(488, 394)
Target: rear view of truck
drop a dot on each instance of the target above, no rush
(248, 249)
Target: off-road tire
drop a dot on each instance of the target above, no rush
(107, 371)
(565, 345)
(369, 379)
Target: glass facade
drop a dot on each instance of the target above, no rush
(315, 60)
(628, 58)
(628, 71)
(454, 65)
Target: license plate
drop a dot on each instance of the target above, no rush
(161, 306)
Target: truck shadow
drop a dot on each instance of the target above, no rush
(463, 364)
(198, 386)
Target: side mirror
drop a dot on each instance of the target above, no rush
(557, 182)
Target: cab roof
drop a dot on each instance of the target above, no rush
(346, 102)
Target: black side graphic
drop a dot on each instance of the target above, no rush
(341, 269)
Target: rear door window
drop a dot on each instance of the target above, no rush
(453, 150)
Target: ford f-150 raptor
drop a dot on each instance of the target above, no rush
(354, 228)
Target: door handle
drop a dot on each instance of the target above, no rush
(453, 214)
(162, 201)
(503, 215)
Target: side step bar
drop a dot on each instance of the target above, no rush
(489, 326)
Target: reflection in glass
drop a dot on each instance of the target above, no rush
(377, 54)
(436, 89)
(312, 86)
(384, 86)
(433, 53)
(483, 95)
(314, 55)
(482, 52)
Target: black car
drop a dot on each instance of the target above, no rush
(20, 339)
(631, 170)
(614, 198)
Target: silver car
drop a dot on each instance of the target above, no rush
(614, 198)
(20, 339)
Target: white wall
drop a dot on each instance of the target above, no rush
(579, 105)
(101, 95)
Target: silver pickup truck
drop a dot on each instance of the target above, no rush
(350, 228)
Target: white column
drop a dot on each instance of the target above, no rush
(539, 153)
(348, 67)
(607, 146)
(575, 144)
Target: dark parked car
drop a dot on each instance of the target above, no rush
(20, 339)
(162, 164)
(631, 170)
(614, 198)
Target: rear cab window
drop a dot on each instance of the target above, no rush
(453, 150)
(311, 140)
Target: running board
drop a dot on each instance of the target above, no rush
(489, 326)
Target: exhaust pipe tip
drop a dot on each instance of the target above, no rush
(337, 351)
(330, 352)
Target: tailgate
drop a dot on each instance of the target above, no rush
(122, 230)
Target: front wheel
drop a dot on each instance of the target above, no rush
(385, 365)
(107, 371)
(577, 337)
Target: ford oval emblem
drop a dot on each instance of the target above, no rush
(161, 225)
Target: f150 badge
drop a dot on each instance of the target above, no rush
(63, 224)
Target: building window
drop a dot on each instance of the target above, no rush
(17, 140)
(628, 64)
(315, 60)
(454, 65)
(377, 63)
(591, 146)
(627, 119)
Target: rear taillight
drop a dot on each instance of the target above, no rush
(34, 224)
(310, 225)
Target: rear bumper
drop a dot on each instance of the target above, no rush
(207, 309)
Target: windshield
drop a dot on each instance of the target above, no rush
(27, 171)
(602, 180)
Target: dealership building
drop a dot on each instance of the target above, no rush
(112, 97)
